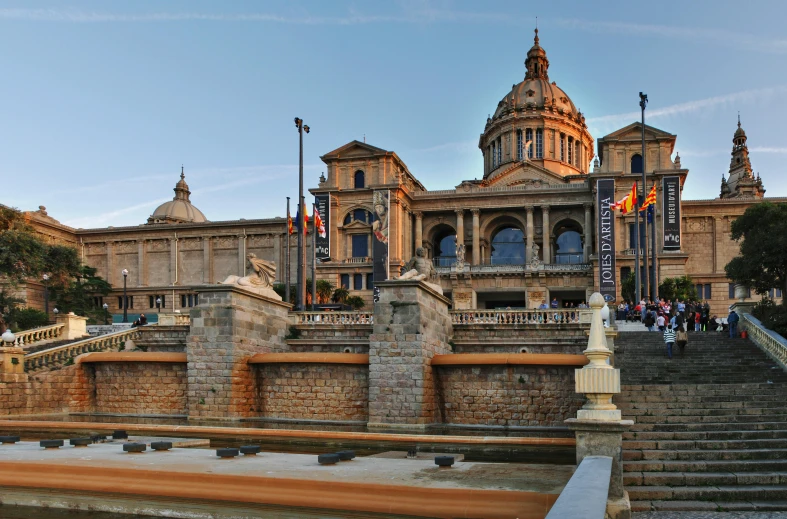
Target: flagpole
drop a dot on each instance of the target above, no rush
(287, 257)
(643, 101)
(637, 286)
(314, 256)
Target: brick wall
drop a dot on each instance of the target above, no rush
(313, 391)
(507, 395)
(139, 388)
(59, 391)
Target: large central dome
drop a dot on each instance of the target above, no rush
(536, 125)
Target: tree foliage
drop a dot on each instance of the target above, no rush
(356, 302)
(627, 287)
(677, 289)
(762, 262)
(76, 294)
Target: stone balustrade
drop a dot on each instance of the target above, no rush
(515, 317)
(53, 356)
(767, 340)
(174, 319)
(516, 269)
(45, 333)
(334, 318)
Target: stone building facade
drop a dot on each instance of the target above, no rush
(527, 226)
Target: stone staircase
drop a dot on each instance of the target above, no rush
(710, 430)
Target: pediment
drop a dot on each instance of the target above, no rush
(356, 224)
(634, 131)
(354, 149)
(524, 174)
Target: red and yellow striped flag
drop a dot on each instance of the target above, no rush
(650, 199)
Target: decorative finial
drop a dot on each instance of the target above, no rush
(739, 118)
(535, 40)
(182, 175)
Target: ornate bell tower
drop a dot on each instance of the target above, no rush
(741, 182)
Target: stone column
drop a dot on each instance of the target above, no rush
(598, 426)
(476, 236)
(228, 327)
(142, 278)
(419, 229)
(460, 226)
(546, 234)
(173, 262)
(588, 232)
(529, 234)
(412, 325)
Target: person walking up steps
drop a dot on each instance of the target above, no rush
(669, 339)
(732, 321)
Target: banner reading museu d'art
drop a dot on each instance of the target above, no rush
(605, 219)
(381, 205)
(670, 212)
(323, 245)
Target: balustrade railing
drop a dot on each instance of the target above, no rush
(45, 333)
(504, 268)
(52, 356)
(515, 317)
(174, 319)
(767, 340)
(334, 318)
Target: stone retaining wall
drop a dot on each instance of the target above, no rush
(507, 395)
(313, 391)
(139, 388)
(58, 391)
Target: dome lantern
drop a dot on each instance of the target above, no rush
(180, 209)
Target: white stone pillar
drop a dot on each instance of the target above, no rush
(529, 233)
(460, 226)
(546, 234)
(588, 232)
(476, 236)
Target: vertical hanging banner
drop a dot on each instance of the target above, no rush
(323, 203)
(605, 220)
(670, 212)
(381, 205)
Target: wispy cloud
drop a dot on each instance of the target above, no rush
(768, 149)
(455, 147)
(102, 219)
(689, 107)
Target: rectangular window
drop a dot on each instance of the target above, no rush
(731, 290)
(183, 302)
(529, 138)
(519, 145)
(778, 292)
(699, 291)
(494, 155)
(707, 292)
(633, 237)
(345, 281)
(562, 148)
(360, 246)
(539, 143)
(570, 150)
(151, 302)
(357, 281)
(120, 302)
(131, 301)
(499, 151)
(369, 281)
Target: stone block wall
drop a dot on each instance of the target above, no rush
(60, 391)
(507, 395)
(411, 326)
(313, 391)
(139, 388)
(227, 328)
(322, 331)
(163, 338)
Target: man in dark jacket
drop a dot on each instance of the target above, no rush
(732, 320)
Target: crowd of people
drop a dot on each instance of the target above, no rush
(676, 318)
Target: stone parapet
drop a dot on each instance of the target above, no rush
(411, 325)
(229, 326)
(162, 338)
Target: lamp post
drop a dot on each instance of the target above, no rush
(55, 311)
(125, 299)
(45, 277)
(106, 313)
(158, 305)
(301, 300)
(643, 100)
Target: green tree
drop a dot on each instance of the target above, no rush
(681, 288)
(340, 295)
(627, 287)
(324, 290)
(356, 302)
(762, 233)
(76, 294)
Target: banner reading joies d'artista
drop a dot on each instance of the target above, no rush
(605, 220)
(670, 212)
(380, 203)
(323, 249)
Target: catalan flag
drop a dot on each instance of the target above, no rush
(302, 224)
(318, 223)
(650, 199)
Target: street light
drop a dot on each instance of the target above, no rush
(301, 299)
(125, 299)
(9, 338)
(158, 304)
(45, 277)
(55, 311)
(106, 313)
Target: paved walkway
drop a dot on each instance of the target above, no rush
(709, 515)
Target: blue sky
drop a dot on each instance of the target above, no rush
(101, 102)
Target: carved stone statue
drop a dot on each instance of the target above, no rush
(261, 282)
(460, 257)
(419, 268)
(535, 261)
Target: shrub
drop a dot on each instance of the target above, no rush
(27, 318)
(772, 316)
(356, 302)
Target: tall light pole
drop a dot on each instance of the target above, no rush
(106, 313)
(301, 300)
(643, 101)
(158, 304)
(287, 256)
(45, 277)
(125, 298)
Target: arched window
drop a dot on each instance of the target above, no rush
(529, 138)
(444, 248)
(570, 150)
(360, 215)
(494, 155)
(539, 143)
(508, 247)
(636, 163)
(348, 219)
(562, 147)
(359, 180)
(519, 145)
(568, 248)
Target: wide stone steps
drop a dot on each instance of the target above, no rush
(709, 506)
(668, 466)
(675, 479)
(704, 411)
(705, 435)
(701, 427)
(720, 455)
(759, 443)
(698, 419)
(709, 493)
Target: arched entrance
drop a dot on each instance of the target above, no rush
(444, 248)
(508, 246)
(568, 243)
